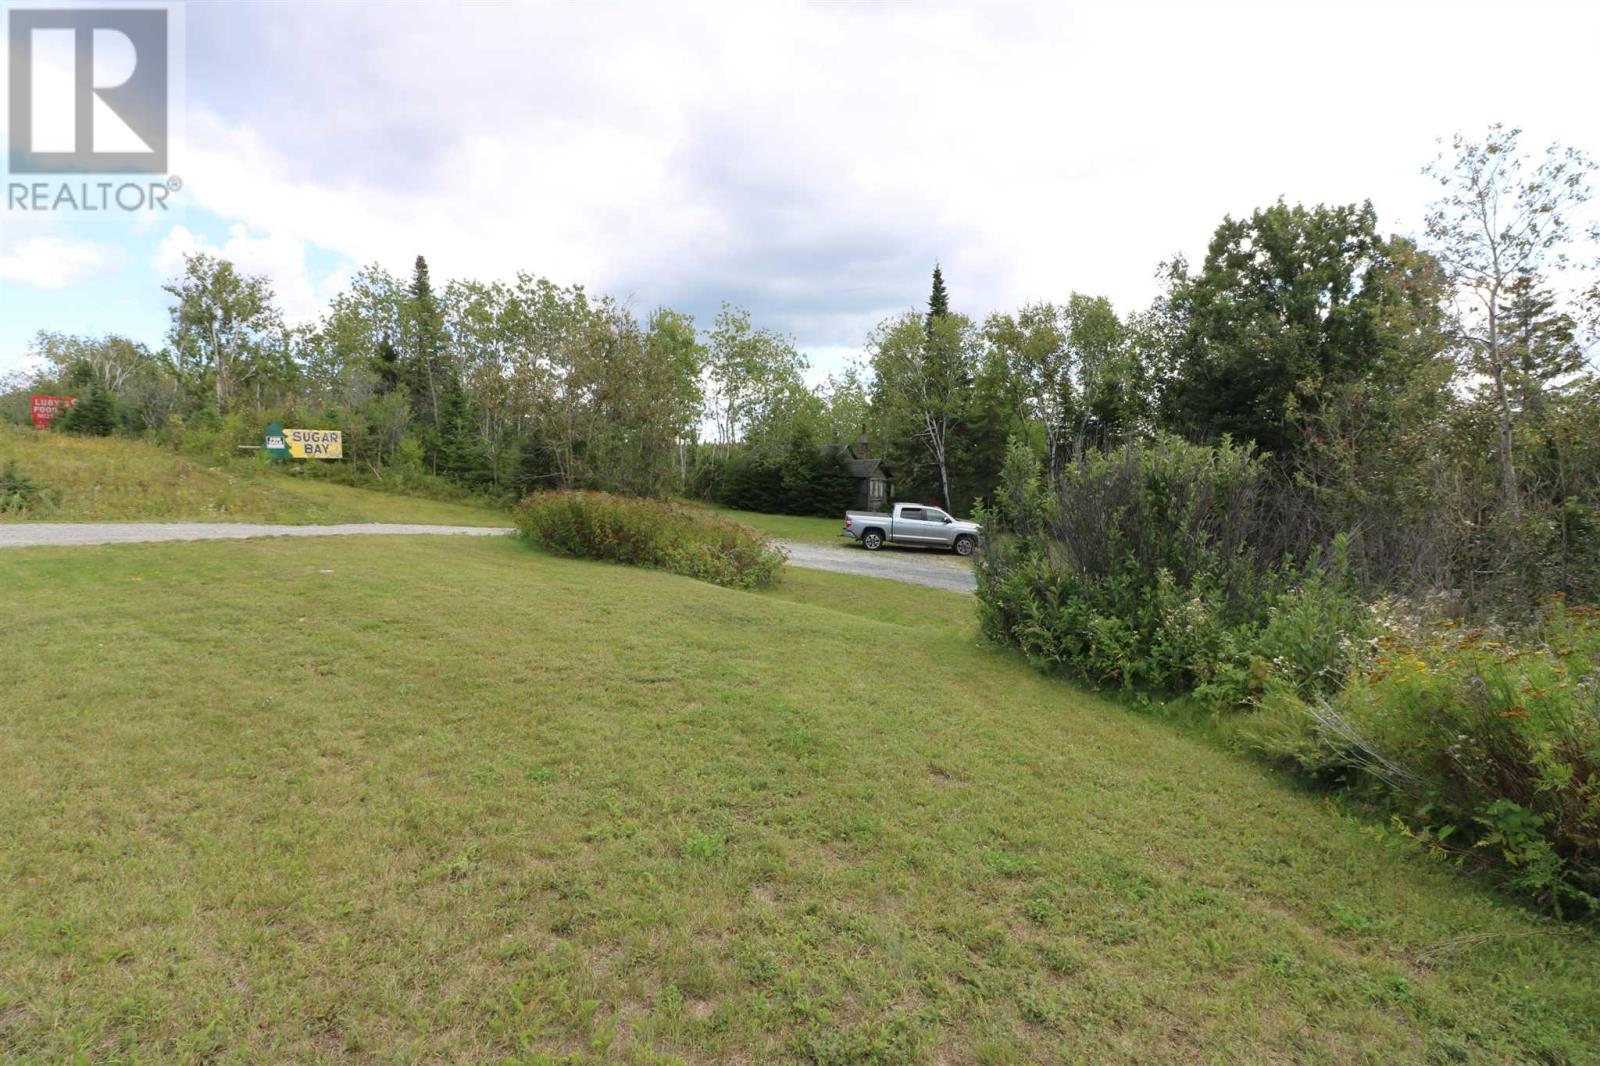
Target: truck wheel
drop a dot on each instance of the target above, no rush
(872, 540)
(963, 545)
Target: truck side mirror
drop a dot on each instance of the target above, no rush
(948, 520)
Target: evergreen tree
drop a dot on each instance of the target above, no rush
(1541, 342)
(93, 416)
(386, 364)
(455, 448)
(424, 362)
(938, 300)
(1543, 356)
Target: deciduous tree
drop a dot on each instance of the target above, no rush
(1502, 216)
(923, 371)
(1283, 309)
(223, 327)
(751, 374)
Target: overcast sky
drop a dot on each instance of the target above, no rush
(808, 162)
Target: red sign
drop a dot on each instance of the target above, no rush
(46, 407)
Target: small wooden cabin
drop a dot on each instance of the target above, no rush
(874, 478)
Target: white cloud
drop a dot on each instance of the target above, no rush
(811, 162)
(50, 262)
(278, 255)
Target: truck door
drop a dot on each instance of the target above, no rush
(911, 525)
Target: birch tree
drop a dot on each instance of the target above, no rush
(480, 321)
(749, 371)
(923, 371)
(107, 361)
(1503, 216)
(1032, 346)
(222, 323)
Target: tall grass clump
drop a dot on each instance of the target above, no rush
(652, 533)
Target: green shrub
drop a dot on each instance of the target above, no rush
(804, 480)
(18, 491)
(653, 533)
(1486, 746)
(95, 415)
(1161, 567)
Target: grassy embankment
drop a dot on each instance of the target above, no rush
(456, 800)
(110, 479)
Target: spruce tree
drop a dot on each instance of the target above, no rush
(938, 299)
(1541, 342)
(386, 364)
(424, 360)
(455, 447)
(93, 416)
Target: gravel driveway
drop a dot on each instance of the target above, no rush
(908, 565)
(914, 566)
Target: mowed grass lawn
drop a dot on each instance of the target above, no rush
(802, 528)
(110, 479)
(433, 799)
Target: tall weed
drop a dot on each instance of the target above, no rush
(1484, 744)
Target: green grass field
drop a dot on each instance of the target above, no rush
(89, 479)
(790, 527)
(439, 799)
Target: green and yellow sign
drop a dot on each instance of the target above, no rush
(315, 443)
(283, 443)
(274, 444)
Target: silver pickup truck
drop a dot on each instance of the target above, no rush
(911, 523)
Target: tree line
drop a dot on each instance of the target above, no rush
(1414, 386)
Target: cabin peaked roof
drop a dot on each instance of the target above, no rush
(859, 466)
(869, 468)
